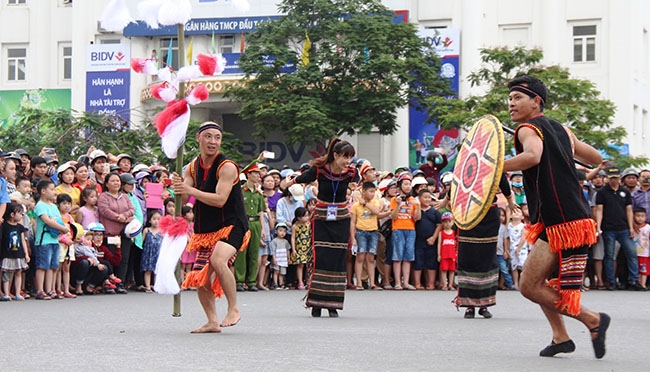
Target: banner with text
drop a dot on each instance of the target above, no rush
(426, 137)
(108, 80)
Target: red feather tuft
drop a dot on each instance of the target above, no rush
(207, 64)
(200, 92)
(155, 90)
(173, 110)
(137, 64)
(173, 226)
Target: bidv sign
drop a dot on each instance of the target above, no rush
(108, 80)
(107, 57)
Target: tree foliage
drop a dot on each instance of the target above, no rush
(361, 68)
(72, 133)
(574, 102)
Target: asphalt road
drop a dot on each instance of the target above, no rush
(377, 331)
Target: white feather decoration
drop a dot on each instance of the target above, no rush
(188, 73)
(148, 12)
(115, 16)
(171, 250)
(173, 12)
(241, 5)
(174, 135)
(164, 74)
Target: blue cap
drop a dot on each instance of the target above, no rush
(285, 172)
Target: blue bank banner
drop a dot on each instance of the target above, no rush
(232, 64)
(108, 80)
(200, 26)
(107, 92)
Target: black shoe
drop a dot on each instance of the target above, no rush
(240, 288)
(562, 347)
(610, 287)
(469, 313)
(485, 313)
(635, 287)
(601, 330)
(333, 313)
(315, 312)
(252, 288)
(109, 291)
(121, 290)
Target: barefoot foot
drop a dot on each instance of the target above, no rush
(231, 319)
(208, 328)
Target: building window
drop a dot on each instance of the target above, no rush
(226, 44)
(109, 41)
(584, 43)
(66, 57)
(164, 52)
(16, 62)
(16, 2)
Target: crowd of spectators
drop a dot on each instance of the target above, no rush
(90, 226)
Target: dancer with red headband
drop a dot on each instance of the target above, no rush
(561, 225)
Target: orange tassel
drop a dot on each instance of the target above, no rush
(572, 234)
(208, 239)
(569, 301)
(196, 278)
(216, 288)
(531, 232)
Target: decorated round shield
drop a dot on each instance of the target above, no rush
(477, 172)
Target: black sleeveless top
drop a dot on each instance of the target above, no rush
(552, 190)
(207, 218)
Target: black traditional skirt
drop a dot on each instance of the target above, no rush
(478, 268)
(327, 285)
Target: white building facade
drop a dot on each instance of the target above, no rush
(45, 44)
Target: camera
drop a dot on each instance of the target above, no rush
(403, 197)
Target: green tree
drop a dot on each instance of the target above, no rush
(72, 133)
(353, 68)
(574, 102)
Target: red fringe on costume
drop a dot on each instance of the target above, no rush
(569, 301)
(567, 240)
(566, 235)
(199, 278)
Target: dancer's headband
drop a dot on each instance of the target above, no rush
(209, 125)
(527, 91)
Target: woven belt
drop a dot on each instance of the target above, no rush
(256, 218)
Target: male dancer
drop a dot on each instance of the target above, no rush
(561, 226)
(220, 225)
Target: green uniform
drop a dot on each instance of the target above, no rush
(246, 262)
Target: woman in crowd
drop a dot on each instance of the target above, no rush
(115, 212)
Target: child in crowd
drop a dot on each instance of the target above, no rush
(311, 207)
(447, 252)
(151, 249)
(642, 243)
(503, 252)
(169, 207)
(426, 232)
(66, 175)
(88, 269)
(66, 248)
(301, 251)
(279, 250)
(265, 247)
(111, 259)
(405, 212)
(364, 233)
(389, 190)
(23, 196)
(14, 251)
(188, 258)
(515, 232)
(46, 251)
(88, 213)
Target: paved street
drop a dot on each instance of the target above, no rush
(377, 331)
